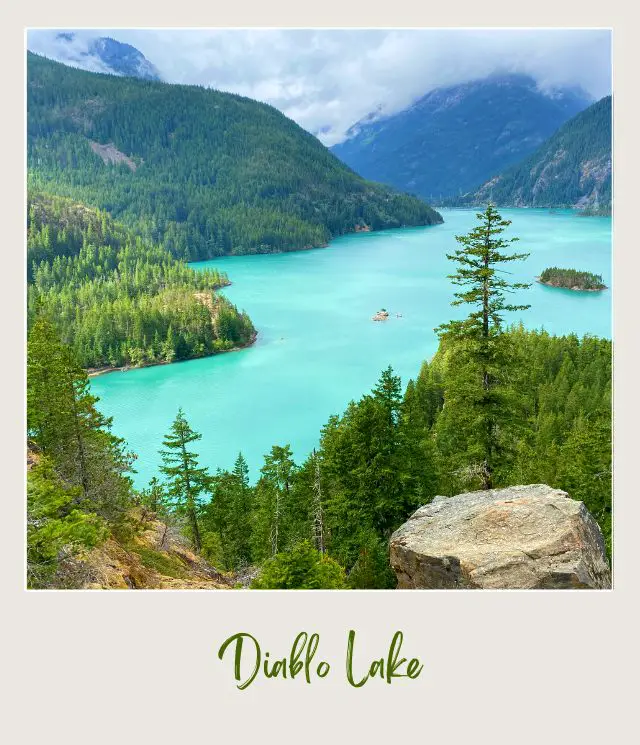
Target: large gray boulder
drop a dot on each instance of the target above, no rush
(521, 537)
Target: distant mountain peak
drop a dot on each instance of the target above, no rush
(96, 54)
(123, 58)
(459, 135)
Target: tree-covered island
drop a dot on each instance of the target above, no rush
(571, 279)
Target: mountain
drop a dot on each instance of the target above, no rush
(99, 54)
(457, 137)
(202, 173)
(572, 168)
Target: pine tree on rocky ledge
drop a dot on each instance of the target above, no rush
(186, 480)
(478, 405)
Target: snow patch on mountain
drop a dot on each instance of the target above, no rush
(93, 53)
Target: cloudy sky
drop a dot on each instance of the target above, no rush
(328, 79)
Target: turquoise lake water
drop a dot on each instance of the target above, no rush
(317, 347)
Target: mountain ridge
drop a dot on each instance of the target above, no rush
(457, 136)
(215, 173)
(571, 169)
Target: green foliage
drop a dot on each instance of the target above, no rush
(227, 517)
(79, 491)
(372, 569)
(301, 568)
(566, 438)
(571, 279)
(479, 406)
(154, 499)
(274, 502)
(185, 479)
(118, 300)
(373, 468)
(377, 468)
(585, 468)
(56, 525)
(209, 173)
(160, 561)
(560, 389)
(65, 425)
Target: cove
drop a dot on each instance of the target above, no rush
(317, 346)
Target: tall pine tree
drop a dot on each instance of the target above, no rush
(478, 408)
(271, 518)
(186, 480)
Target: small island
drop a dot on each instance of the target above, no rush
(571, 279)
(381, 315)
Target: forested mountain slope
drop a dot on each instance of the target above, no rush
(456, 137)
(200, 172)
(571, 169)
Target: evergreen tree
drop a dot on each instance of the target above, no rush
(186, 480)
(62, 420)
(476, 399)
(301, 568)
(372, 569)
(56, 526)
(228, 516)
(318, 510)
(242, 508)
(377, 469)
(153, 498)
(272, 526)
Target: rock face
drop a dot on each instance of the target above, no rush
(521, 537)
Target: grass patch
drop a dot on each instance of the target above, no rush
(165, 564)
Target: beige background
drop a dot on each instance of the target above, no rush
(500, 667)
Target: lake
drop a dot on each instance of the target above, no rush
(317, 346)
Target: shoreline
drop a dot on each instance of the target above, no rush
(326, 244)
(94, 372)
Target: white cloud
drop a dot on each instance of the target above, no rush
(328, 79)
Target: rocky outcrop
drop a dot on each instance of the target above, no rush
(110, 154)
(157, 557)
(381, 315)
(521, 537)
